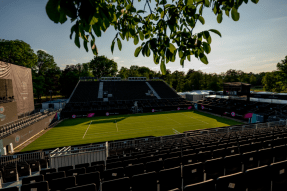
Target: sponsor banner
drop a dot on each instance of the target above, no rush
(8, 112)
(91, 115)
(56, 116)
(233, 114)
(195, 106)
(178, 108)
(248, 115)
(152, 110)
(226, 113)
(107, 113)
(189, 107)
(74, 116)
(202, 107)
(113, 113)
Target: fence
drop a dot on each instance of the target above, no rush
(23, 157)
(68, 157)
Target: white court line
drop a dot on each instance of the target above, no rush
(173, 120)
(87, 129)
(194, 118)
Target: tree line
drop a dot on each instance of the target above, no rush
(47, 75)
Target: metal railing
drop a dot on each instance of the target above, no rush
(23, 157)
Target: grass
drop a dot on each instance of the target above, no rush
(99, 129)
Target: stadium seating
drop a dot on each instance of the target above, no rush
(182, 163)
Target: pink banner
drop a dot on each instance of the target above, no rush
(232, 114)
(189, 107)
(91, 114)
(248, 115)
(178, 108)
(152, 110)
(107, 114)
(202, 107)
(56, 115)
(74, 116)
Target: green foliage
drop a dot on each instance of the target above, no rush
(17, 52)
(45, 61)
(101, 66)
(178, 16)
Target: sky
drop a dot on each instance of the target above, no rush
(255, 43)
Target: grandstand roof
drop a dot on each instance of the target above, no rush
(236, 84)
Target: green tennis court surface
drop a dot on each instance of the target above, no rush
(98, 129)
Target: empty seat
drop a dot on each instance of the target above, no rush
(84, 165)
(112, 174)
(75, 172)
(214, 168)
(55, 175)
(192, 173)
(43, 186)
(279, 175)
(33, 179)
(154, 166)
(129, 162)
(232, 164)
(65, 168)
(134, 169)
(258, 179)
(188, 159)
(62, 183)
(171, 162)
(16, 188)
(121, 184)
(170, 178)
(206, 185)
(280, 153)
(203, 156)
(144, 182)
(48, 171)
(89, 178)
(99, 168)
(114, 165)
(88, 187)
(34, 165)
(265, 156)
(250, 160)
(232, 182)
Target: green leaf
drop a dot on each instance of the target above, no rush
(227, 12)
(200, 9)
(86, 46)
(141, 35)
(137, 51)
(172, 48)
(163, 67)
(255, 1)
(207, 37)
(215, 8)
(95, 50)
(119, 44)
(77, 39)
(97, 30)
(206, 3)
(201, 19)
(72, 31)
(189, 3)
(112, 47)
(147, 51)
(52, 9)
(203, 58)
(188, 57)
(206, 47)
(245, 1)
(63, 18)
(182, 62)
(216, 32)
(234, 14)
(219, 17)
(136, 39)
(94, 20)
(180, 53)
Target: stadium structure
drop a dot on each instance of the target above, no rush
(203, 152)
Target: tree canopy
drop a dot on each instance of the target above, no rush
(101, 66)
(169, 24)
(17, 52)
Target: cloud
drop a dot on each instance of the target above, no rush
(73, 60)
(277, 19)
(116, 58)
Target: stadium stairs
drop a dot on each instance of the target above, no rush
(252, 159)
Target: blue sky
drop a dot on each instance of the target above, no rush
(255, 43)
